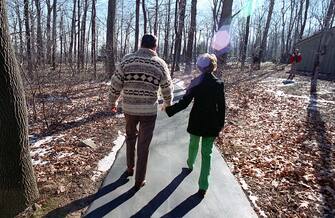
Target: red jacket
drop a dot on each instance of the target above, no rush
(295, 58)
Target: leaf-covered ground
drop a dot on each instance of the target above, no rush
(279, 142)
(66, 169)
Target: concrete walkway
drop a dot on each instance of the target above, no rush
(170, 190)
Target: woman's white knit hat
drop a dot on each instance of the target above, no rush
(205, 61)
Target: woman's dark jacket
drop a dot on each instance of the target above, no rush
(208, 112)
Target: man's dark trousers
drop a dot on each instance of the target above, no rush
(143, 135)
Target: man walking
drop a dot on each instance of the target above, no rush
(139, 76)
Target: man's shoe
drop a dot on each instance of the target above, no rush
(129, 172)
(139, 185)
(202, 193)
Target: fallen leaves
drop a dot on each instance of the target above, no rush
(283, 154)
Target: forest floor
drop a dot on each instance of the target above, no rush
(68, 171)
(278, 141)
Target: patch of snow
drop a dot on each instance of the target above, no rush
(42, 141)
(77, 119)
(39, 162)
(253, 200)
(39, 151)
(40, 148)
(64, 155)
(119, 115)
(45, 140)
(107, 162)
(307, 99)
(244, 185)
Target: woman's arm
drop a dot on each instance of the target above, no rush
(182, 104)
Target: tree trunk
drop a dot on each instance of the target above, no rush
(73, 31)
(156, 19)
(32, 33)
(78, 36)
(145, 20)
(17, 184)
(18, 14)
(40, 53)
(265, 34)
(303, 25)
(110, 42)
(93, 49)
(28, 38)
(189, 50)
(182, 7)
(167, 33)
(49, 44)
(225, 20)
(245, 43)
(83, 35)
(54, 35)
(330, 12)
(137, 24)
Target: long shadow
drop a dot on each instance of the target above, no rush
(105, 209)
(73, 124)
(323, 167)
(184, 207)
(162, 196)
(86, 201)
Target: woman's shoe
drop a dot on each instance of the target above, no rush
(202, 193)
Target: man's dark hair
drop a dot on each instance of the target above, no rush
(149, 41)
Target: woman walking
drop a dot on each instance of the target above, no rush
(207, 115)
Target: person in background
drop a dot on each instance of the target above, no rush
(295, 58)
(139, 76)
(207, 115)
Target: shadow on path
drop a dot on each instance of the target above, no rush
(86, 201)
(323, 167)
(186, 206)
(162, 196)
(105, 209)
(52, 130)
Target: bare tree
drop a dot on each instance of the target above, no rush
(28, 38)
(49, 44)
(93, 48)
(17, 184)
(145, 20)
(181, 20)
(110, 39)
(156, 18)
(191, 32)
(303, 24)
(225, 19)
(73, 30)
(245, 42)
(167, 32)
(54, 34)
(137, 24)
(83, 34)
(265, 33)
(40, 53)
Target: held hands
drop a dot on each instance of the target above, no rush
(114, 107)
(163, 107)
(114, 110)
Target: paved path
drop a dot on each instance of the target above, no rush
(170, 191)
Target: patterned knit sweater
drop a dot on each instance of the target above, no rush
(139, 76)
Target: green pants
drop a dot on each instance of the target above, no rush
(206, 151)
